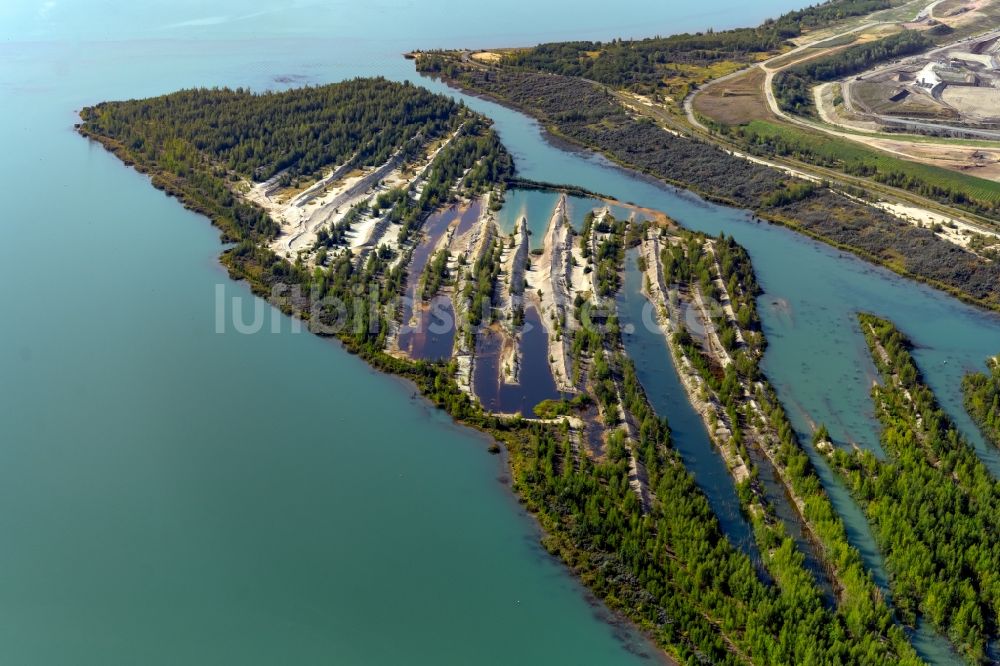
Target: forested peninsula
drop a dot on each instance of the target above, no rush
(361, 207)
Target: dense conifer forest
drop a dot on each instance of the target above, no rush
(934, 506)
(202, 141)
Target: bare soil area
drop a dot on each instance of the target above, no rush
(736, 100)
(977, 103)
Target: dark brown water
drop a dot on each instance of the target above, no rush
(468, 217)
(434, 329)
(434, 336)
(536, 382)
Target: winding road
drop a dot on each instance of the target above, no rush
(777, 63)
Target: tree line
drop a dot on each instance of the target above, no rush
(644, 63)
(697, 592)
(258, 135)
(198, 143)
(671, 569)
(860, 603)
(793, 85)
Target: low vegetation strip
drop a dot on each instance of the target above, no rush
(586, 114)
(978, 195)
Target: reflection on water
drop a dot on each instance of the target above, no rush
(535, 382)
(777, 497)
(430, 337)
(469, 215)
(433, 338)
(538, 205)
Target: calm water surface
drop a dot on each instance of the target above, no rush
(169, 494)
(646, 344)
(421, 340)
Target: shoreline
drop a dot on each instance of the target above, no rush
(527, 441)
(486, 426)
(835, 556)
(552, 136)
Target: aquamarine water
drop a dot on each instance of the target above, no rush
(817, 357)
(173, 495)
(538, 206)
(646, 344)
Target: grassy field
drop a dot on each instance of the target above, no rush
(814, 147)
(948, 7)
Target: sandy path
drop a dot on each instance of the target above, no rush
(549, 289)
(666, 306)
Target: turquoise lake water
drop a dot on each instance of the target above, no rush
(538, 206)
(171, 495)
